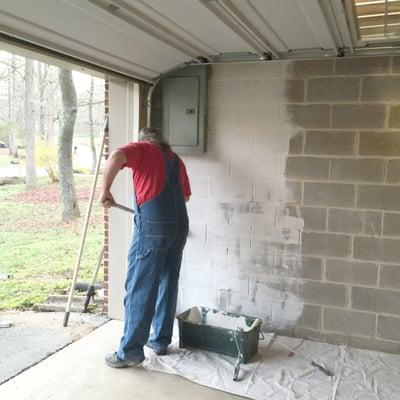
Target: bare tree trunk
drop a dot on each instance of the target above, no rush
(42, 74)
(53, 126)
(51, 120)
(30, 125)
(12, 120)
(92, 142)
(69, 201)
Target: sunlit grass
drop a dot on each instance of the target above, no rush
(39, 250)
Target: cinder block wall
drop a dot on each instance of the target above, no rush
(295, 214)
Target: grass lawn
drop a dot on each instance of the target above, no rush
(37, 248)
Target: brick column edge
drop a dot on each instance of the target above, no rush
(106, 226)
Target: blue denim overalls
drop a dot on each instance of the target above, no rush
(154, 260)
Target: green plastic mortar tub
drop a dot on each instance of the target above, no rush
(200, 333)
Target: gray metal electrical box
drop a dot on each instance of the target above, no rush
(184, 109)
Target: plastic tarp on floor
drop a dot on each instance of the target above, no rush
(274, 374)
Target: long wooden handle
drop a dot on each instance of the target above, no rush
(85, 226)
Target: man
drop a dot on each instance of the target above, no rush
(154, 259)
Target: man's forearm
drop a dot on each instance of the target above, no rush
(114, 164)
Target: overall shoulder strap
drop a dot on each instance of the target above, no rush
(171, 167)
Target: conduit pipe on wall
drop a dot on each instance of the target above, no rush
(148, 101)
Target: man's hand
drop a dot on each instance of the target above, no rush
(106, 199)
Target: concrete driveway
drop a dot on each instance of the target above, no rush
(34, 336)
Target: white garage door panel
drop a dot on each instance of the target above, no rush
(287, 19)
(147, 47)
(192, 16)
(87, 34)
(317, 23)
(144, 38)
(260, 23)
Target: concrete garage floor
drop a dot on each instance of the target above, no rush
(34, 336)
(78, 371)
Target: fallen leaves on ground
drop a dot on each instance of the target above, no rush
(50, 194)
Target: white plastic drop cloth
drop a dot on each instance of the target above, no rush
(272, 374)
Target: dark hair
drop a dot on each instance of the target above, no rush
(154, 135)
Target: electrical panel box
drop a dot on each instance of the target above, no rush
(184, 109)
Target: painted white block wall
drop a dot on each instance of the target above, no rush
(238, 225)
(295, 212)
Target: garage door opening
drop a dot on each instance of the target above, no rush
(51, 125)
(51, 122)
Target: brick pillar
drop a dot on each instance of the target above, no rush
(105, 258)
(142, 122)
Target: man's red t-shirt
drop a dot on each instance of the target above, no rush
(148, 170)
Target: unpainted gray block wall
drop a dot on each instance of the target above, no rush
(295, 213)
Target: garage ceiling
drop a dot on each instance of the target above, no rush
(146, 38)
